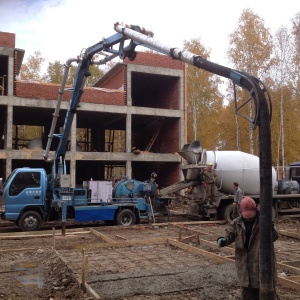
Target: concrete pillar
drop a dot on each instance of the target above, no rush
(128, 122)
(182, 107)
(73, 134)
(183, 120)
(8, 167)
(128, 144)
(128, 169)
(128, 93)
(128, 133)
(73, 172)
(10, 77)
(9, 129)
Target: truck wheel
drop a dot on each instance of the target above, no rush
(30, 221)
(126, 217)
(228, 213)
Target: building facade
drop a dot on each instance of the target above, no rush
(131, 123)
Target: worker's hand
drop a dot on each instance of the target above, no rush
(221, 242)
(234, 203)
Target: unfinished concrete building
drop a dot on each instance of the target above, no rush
(131, 123)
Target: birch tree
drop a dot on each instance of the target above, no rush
(283, 54)
(250, 51)
(296, 56)
(56, 70)
(32, 69)
(204, 100)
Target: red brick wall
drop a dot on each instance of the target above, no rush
(7, 39)
(116, 81)
(35, 90)
(156, 60)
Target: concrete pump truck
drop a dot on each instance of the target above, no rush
(30, 197)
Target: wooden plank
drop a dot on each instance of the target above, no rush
(231, 257)
(18, 250)
(189, 239)
(26, 235)
(288, 283)
(102, 236)
(206, 234)
(42, 232)
(9, 271)
(289, 268)
(85, 260)
(198, 251)
(190, 223)
(293, 263)
(294, 278)
(190, 230)
(121, 237)
(53, 240)
(115, 244)
(204, 242)
(290, 230)
(92, 292)
(290, 234)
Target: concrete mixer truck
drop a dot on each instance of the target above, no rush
(230, 166)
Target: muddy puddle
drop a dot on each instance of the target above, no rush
(30, 275)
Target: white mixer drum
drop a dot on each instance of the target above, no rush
(237, 166)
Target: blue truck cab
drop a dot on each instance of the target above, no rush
(24, 190)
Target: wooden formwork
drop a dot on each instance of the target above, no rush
(85, 250)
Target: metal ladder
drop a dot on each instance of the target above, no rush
(159, 127)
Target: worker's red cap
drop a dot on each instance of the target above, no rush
(248, 208)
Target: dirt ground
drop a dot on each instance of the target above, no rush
(147, 268)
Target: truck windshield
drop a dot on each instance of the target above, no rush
(24, 180)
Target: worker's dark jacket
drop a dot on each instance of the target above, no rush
(247, 260)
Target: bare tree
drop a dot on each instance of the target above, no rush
(283, 55)
(296, 57)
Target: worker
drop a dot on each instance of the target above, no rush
(158, 206)
(244, 231)
(155, 203)
(153, 177)
(237, 198)
(209, 176)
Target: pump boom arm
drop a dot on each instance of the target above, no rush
(262, 101)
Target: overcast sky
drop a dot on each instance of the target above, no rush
(60, 29)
